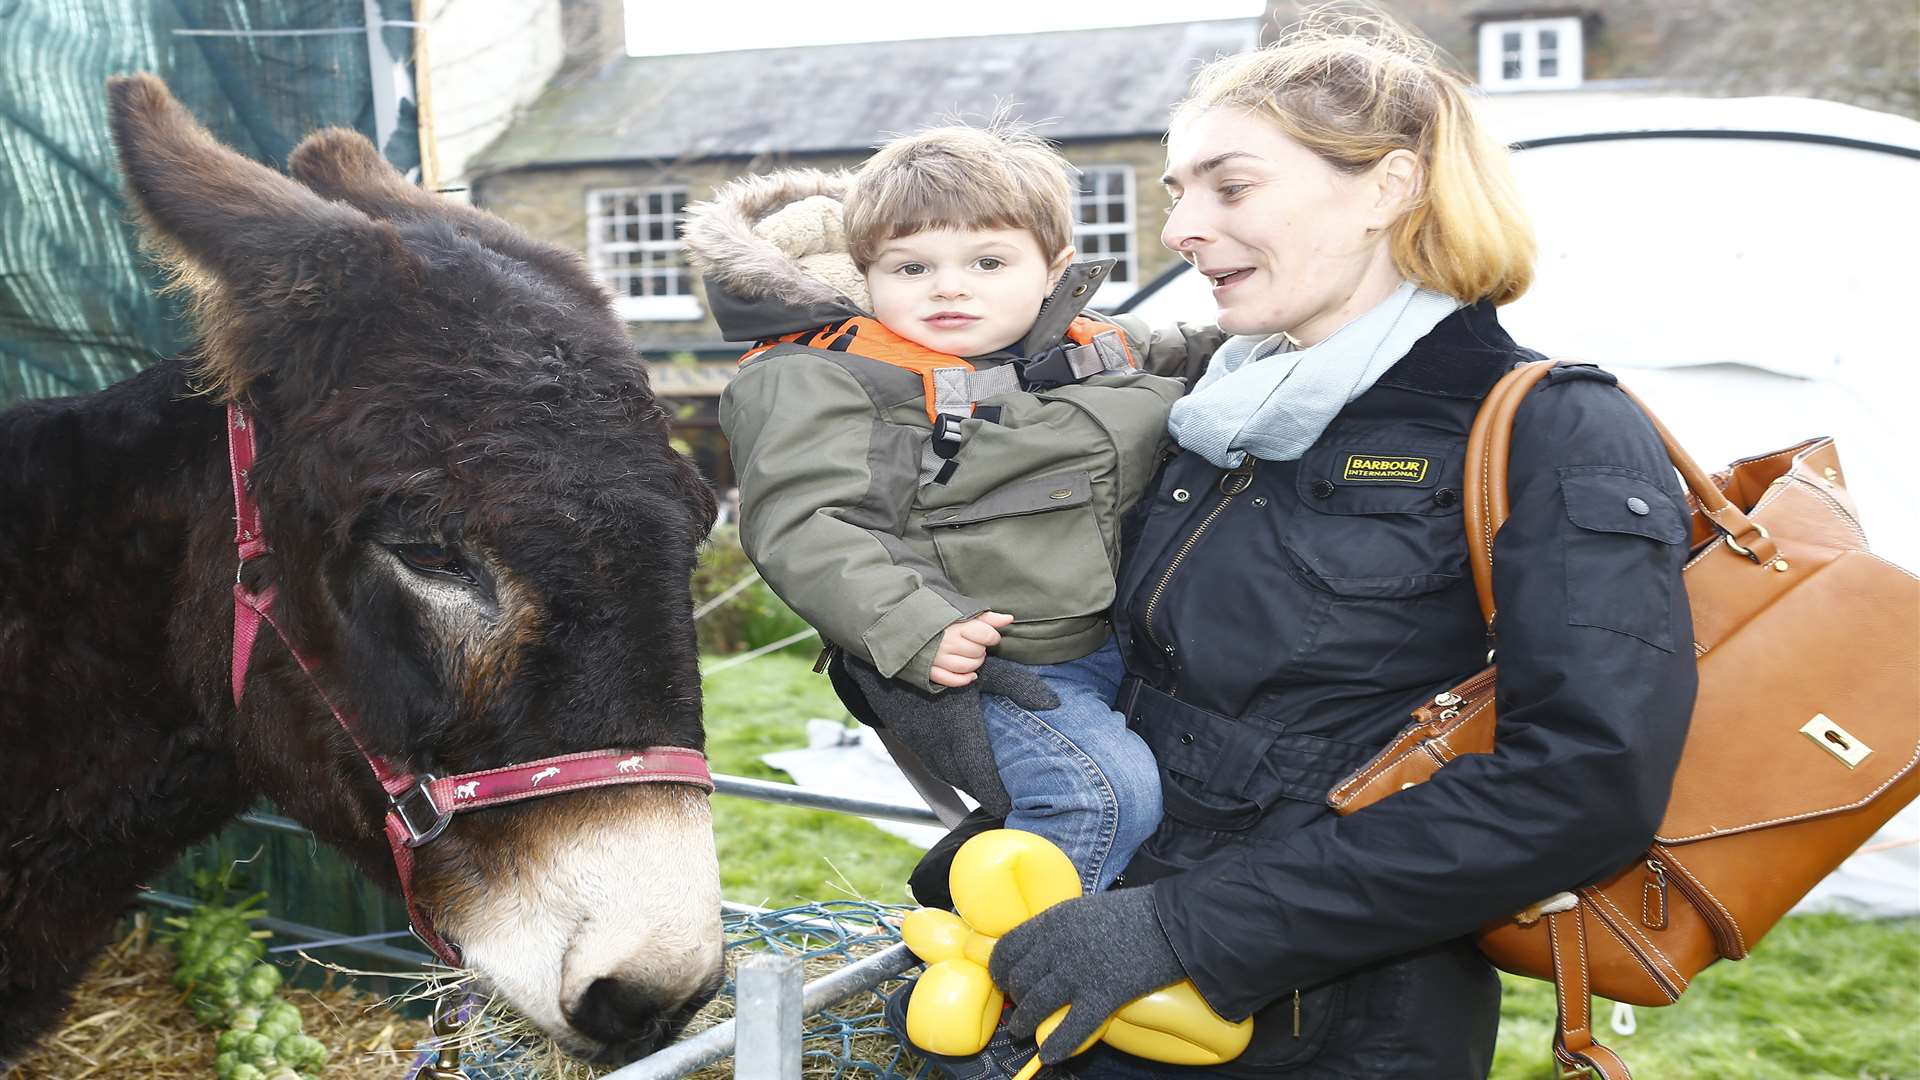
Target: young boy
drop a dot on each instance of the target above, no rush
(934, 448)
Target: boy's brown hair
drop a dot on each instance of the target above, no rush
(1002, 176)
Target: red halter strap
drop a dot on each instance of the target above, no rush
(420, 806)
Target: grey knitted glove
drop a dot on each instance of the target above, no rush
(946, 729)
(1096, 954)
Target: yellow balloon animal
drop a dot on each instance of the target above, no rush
(999, 880)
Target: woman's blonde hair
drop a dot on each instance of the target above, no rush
(1001, 176)
(1354, 87)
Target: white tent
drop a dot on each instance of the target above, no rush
(1747, 266)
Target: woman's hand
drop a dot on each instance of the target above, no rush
(963, 647)
(1095, 954)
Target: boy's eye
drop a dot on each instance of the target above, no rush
(910, 269)
(989, 262)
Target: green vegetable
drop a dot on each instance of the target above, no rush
(301, 1052)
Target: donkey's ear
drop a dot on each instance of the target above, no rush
(342, 164)
(230, 228)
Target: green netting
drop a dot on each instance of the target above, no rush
(76, 305)
(848, 1041)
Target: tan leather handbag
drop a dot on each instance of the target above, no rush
(1803, 741)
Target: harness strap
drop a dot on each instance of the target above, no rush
(420, 806)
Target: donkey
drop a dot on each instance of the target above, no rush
(481, 542)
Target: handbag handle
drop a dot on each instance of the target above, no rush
(1484, 488)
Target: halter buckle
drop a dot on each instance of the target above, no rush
(405, 806)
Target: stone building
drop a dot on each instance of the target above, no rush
(607, 157)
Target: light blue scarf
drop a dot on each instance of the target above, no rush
(1262, 396)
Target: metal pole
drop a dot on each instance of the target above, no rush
(767, 1011)
(691, 1055)
(794, 795)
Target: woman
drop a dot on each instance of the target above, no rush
(1298, 583)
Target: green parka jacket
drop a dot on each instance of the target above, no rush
(839, 508)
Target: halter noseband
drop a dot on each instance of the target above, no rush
(420, 805)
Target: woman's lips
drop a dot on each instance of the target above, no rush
(1223, 282)
(950, 320)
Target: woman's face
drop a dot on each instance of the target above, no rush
(1291, 243)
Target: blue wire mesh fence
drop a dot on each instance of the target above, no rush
(846, 1041)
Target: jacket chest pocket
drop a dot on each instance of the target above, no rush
(1379, 517)
(1034, 547)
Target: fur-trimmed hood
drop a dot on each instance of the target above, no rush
(774, 254)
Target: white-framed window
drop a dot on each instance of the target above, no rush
(633, 244)
(1531, 54)
(1103, 226)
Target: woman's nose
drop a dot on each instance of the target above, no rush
(1184, 231)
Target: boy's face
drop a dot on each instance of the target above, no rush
(966, 292)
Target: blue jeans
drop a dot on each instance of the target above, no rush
(1076, 775)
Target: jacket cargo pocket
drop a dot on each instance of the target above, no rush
(1622, 529)
(1026, 549)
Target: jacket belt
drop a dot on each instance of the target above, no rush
(1256, 758)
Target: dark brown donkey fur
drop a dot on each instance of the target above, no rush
(481, 537)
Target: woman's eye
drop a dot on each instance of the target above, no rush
(433, 559)
(1233, 191)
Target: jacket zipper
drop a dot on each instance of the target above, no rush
(1245, 477)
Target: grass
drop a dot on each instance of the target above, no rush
(1822, 998)
(777, 855)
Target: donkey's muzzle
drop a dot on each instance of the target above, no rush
(630, 1020)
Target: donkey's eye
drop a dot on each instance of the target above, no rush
(433, 559)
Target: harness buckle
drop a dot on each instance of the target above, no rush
(421, 792)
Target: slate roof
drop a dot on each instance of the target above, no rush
(1102, 83)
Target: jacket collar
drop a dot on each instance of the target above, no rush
(1064, 304)
(1462, 357)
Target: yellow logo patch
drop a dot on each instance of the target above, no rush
(1391, 468)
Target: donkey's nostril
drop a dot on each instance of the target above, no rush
(616, 1011)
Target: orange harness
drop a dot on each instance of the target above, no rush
(867, 338)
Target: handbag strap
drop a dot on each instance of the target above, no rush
(1573, 1045)
(1484, 487)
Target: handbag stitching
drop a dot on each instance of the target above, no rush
(1632, 953)
(1827, 497)
(1752, 825)
(1646, 943)
(1738, 935)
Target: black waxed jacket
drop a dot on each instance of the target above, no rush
(1280, 622)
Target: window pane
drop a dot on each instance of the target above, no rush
(682, 285)
(1549, 41)
(679, 202)
(657, 285)
(633, 284)
(1117, 243)
(630, 206)
(1089, 182)
(656, 203)
(1549, 67)
(1510, 55)
(656, 229)
(1116, 212)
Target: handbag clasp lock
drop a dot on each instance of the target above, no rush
(1836, 740)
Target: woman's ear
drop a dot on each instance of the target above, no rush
(1394, 182)
(1059, 265)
